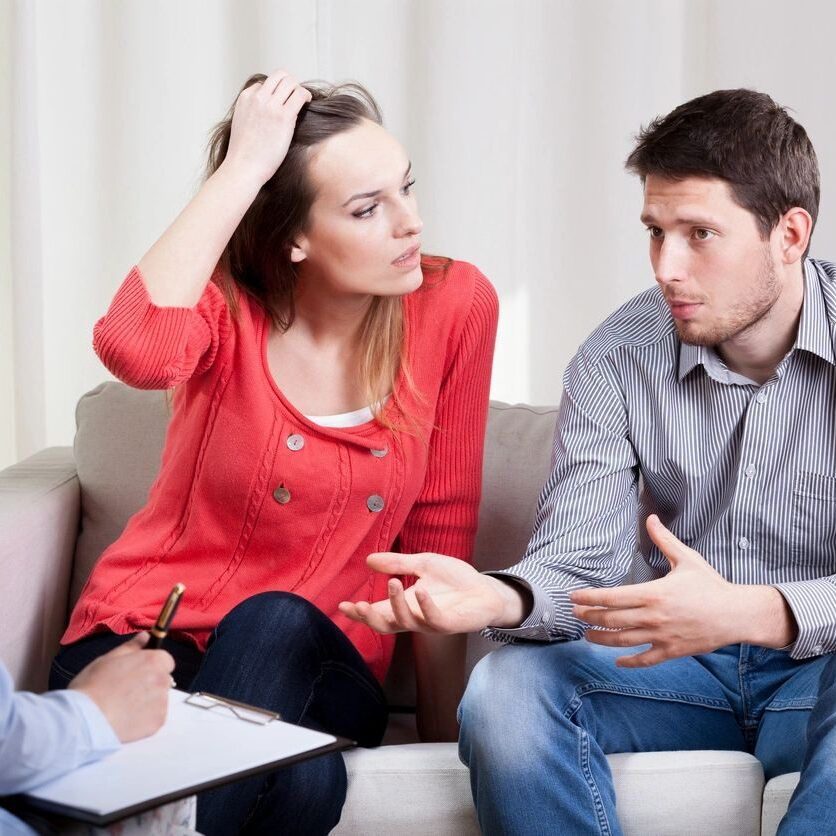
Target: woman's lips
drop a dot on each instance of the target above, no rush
(410, 259)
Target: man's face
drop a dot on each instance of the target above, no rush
(716, 271)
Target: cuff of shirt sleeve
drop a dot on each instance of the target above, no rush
(536, 626)
(813, 603)
(101, 737)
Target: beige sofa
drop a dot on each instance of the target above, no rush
(61, 507)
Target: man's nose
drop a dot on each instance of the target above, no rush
(669, 263)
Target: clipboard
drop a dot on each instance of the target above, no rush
(206, 741)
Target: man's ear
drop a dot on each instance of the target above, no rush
(795, 228)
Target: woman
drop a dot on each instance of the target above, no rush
(330, 401)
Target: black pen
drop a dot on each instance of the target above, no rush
(160, 629)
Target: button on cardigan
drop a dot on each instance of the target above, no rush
(253, 496)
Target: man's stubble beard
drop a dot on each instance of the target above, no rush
(744, 316)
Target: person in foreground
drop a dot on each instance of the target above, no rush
(121, 696)
(331, 392)
(716, 389)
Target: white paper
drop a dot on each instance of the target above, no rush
(193, 747)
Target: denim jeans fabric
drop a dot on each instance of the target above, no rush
(569, 706)
(277, 651)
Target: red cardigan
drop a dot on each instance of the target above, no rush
(251, 496)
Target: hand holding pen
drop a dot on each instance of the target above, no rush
(160, 629)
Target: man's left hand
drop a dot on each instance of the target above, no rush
(691, 610)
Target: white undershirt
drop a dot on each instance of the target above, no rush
(344, 419)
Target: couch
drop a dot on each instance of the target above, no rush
(61, 507)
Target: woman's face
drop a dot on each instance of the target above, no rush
(364, 233)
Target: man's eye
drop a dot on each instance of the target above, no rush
(703, 234)
(654, 232)
(365, 213)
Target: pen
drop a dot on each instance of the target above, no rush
(160, 629)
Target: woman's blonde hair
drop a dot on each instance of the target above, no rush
(257, 257)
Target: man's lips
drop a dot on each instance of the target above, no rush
(683, 309)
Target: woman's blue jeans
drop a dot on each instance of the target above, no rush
(277, 651)
(538, 720)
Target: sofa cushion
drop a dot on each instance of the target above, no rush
(722, 789)
(39, 501)
(776, 799)
(518, 452)
(118, 446)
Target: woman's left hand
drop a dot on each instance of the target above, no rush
(449, 596)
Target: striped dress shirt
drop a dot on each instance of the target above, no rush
(743, 473)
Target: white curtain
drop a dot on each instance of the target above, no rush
(517, 115)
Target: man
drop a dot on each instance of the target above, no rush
(122, 696)
(716, 392)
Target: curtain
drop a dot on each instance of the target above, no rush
(517, 116)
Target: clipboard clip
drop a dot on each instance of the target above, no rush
(243, 711)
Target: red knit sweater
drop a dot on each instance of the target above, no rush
(240, 508)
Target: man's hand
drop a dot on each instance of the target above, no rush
(692, 610)
(130, 685)
(449, 596)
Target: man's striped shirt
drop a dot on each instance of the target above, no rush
(743, 473)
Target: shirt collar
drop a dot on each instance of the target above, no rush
(690, 356)
(814, 327)
(813, 336)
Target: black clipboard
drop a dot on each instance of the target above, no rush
(242, 712)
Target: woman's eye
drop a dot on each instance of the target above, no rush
(408, 186)
(365, 213)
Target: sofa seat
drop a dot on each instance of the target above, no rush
(422, 788)
(776, 797)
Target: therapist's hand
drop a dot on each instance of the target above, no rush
(449, 596)
(130, 686)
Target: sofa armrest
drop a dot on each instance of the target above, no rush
(39, 513)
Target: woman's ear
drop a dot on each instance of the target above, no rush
(298, 251)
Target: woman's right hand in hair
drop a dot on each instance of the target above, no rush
(178, 266)
(263, 122)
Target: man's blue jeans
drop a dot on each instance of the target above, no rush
(538, 720)
(277, 651)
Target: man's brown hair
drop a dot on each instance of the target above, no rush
(740, 136)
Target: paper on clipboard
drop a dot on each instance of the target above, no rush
(194, 748)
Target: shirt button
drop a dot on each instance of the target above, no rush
(544, 619)
(761, 397)
(818, 649)
(281, 495)
(295, 442)
(375, 503)
(743, 543)
(379, 454)
(751, 471)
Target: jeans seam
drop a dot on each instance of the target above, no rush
(370, 688)
(583, 753)
(653, 694)
(332, 665)
(742, 682)
(63, 671)
(791, 705)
